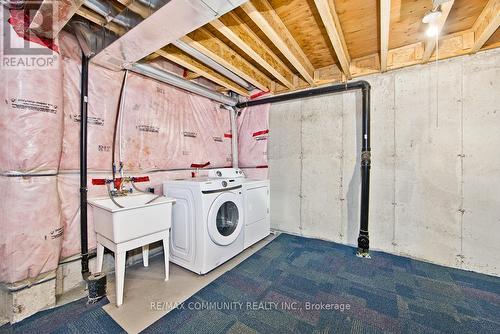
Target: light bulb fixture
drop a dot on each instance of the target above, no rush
(432, 31)
(432, 15)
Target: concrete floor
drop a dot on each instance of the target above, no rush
(147, 297)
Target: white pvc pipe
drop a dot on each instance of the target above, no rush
(234, 136)
(120, 136)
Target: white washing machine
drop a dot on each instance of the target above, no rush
(256, 203)
(207, 222)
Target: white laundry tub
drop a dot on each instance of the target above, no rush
(136, 218)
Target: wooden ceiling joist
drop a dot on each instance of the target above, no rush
(206, 43)
(175, 55)
(385, 21)
(430, 44)
(264, 16)
(231, 27)
(486, 24)
(137, 7)
(390, 35)
(326, 9)
(191, 75)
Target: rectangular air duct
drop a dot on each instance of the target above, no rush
(172, 21)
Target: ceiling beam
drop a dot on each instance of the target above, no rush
(175, 55)
(486, 24)
(52, 16)
(212, 47)
(385, 23)
(265, 17)
(244, 38)
(430, 44)
(326, 9)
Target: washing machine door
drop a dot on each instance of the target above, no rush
(225, 219)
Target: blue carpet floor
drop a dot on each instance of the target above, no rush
(75, 317)
(299, 285)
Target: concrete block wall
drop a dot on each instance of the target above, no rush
(435, 163)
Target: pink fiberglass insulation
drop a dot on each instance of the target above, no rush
(214, 129)
(104, 92)
(31, 113)
(166, 65)
(30, 228)
(149, 123)
(253, 132)
(165, 128)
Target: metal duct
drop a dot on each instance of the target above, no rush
(174, 80)
(106, 9)
(155, 4)
(83, 40)
(129, 20)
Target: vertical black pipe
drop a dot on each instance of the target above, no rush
(363, 239)
(83, 165)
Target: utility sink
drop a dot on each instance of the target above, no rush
(136, 218)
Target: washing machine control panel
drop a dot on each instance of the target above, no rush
(207, 184)
(226, 173)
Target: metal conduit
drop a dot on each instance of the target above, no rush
(174, 80)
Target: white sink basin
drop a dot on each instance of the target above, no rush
(136, 219)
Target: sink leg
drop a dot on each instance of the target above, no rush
(100, 258)
(145, 255)
(166, 255)
(120, 257)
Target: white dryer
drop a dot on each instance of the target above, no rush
(256, 203)
(207, 222)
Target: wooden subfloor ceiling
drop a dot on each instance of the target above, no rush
(283, 45)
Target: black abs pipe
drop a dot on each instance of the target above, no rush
(83, 166)
(363, 239)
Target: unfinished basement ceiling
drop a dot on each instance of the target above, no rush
(284, 45)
